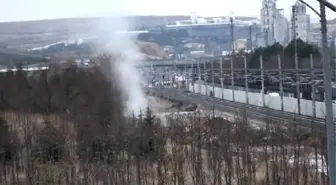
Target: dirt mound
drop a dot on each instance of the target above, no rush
(158, 104)
(182, 106)
(151, 50)
(189, 107)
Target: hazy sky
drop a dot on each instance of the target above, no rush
(16, 10)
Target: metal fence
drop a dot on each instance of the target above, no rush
(298, 90)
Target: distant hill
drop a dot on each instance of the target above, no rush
(333, 21)
(80, 24)
(12, 58)
(87, 49)
(85, 24)
(8, 58)
(29, 34)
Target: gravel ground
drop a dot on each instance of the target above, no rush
(159, 105)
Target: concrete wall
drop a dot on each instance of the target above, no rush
(274, 102)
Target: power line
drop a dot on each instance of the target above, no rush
(250, 37)
(232, 55)
(232, 35)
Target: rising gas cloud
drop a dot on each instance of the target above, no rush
(128, 55)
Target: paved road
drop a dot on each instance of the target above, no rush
(253, 112)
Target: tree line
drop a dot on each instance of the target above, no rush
(287, 53)
(55, 90)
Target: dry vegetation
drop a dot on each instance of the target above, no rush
(66, 127)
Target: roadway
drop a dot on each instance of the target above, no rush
(253, 112)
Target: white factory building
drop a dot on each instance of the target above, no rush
(274, 25)
(281, 32)
(301, 23)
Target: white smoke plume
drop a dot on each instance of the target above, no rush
(123, 46)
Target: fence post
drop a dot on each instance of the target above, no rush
(185, 77)
(199, 69)
(221, 73)
(205, 77)
(192, 76)
(246, 81)
(213, 78)
(313, 84)
(262, 81)
(281, 83)
(298, 84)
(232, 78)
(199, 89)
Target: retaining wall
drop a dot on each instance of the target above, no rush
(274, 102)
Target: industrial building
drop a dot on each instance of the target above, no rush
(214, 30)
(300, 23)
(274, 25)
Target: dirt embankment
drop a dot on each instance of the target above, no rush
(158, 105)
(151, 50)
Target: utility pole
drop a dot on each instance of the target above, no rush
(312, 73)
(231, 61)
(297, 79)
(186, 81)
(199, 69)
(280, 82)
(213, 78)
(222, 78)
(266, 37)
(192, 76)
(262, 81)
(327, 4)
(327, 88)
(246, 81)
(205, 77)
(232, 35)
(328, 97)
(250, 35)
